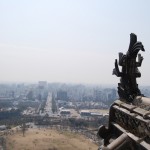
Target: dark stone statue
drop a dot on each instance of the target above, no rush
(128, 87)
(129, 116)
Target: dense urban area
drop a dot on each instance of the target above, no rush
(74, 107)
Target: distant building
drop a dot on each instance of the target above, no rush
(65, 112)
(62, 95)
(85, 113)
(94, 114)
(97, 95)
(42, 84)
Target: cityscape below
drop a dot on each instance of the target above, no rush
(79, 107)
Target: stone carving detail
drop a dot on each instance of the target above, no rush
(129, 117)
(128, 87)
(132, 124)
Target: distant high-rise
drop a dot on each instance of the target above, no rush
(97, 95)
(62, 95)
(42, 84)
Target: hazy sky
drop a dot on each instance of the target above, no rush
(70, 40)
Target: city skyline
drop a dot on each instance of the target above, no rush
(70, 41)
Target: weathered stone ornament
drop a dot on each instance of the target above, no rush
(128, 87)
(129, 116)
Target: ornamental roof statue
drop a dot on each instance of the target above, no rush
(128, 87)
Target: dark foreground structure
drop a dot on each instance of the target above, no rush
(129, 116)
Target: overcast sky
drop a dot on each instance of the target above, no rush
(73, 41)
